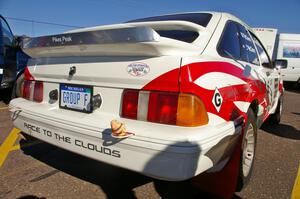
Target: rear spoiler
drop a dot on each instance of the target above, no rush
(124, 35)
(108, 41)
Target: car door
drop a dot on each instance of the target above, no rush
(256, 56)
(269, 72)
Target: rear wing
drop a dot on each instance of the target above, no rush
(133, 39)
(124, 35)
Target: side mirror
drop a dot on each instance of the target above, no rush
(280, 63)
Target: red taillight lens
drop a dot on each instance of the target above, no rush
(130, 104)
(26, 89)
(180, 109)
(38, 91)
(163, 107)
(33, 90)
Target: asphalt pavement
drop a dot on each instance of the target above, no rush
(33, 169)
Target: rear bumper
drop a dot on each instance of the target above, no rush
(185, 154)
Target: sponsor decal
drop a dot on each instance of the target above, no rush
(217, 100)
(61, 39)
(291, 51)
(84, 144)
(138, 69)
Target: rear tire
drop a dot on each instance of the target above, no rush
(248, 151)
(276, 117)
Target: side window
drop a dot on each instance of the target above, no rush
(6, 33)
(247, 47)
(263, 55)
(229, 45)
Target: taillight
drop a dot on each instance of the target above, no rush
(130, 103)
(26, 89)
(38, 91)
(190, 111)
(32, 90)
(164, 107)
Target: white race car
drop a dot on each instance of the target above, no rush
(169, 96)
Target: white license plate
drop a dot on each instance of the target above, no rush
(76, 97)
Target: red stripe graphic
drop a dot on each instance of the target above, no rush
(182, 80)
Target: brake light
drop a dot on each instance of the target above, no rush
(130, 103)
(38, 91)
(164, 107)
(33, 90)
(26, 89)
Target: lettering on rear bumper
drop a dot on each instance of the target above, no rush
(73, 141)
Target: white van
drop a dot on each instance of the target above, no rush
(289, 49)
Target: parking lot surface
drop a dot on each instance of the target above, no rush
(33, 168)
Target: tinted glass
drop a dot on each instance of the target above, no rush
(7, 35)
(181, 35)
(264, 58)
(229, 45)
(197, 18)
(247, 47)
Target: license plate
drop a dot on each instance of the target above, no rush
(76, 97)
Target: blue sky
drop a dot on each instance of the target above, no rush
(283, 15)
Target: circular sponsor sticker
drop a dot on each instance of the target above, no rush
(138, 69)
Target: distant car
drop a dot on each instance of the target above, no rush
(169, 96)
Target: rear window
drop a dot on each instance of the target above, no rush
(181, 35)
(197, 18)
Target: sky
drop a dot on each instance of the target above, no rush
(279, 14)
